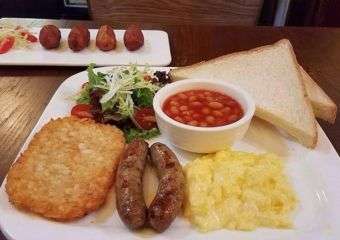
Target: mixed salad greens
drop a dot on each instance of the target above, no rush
(122, 96)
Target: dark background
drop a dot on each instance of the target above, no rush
(300, 13)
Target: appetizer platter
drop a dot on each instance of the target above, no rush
(79, 46)
(193, 153)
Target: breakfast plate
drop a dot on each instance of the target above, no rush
(155, 52)
(313, 174)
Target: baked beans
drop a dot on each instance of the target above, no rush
(203, 108)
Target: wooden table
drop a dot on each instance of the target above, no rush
(25, 91)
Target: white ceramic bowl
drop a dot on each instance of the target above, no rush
(203, 139)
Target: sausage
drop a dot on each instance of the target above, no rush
(49, 36)
(106, 38)
(78, 38)
(129, 185)
(170, 193)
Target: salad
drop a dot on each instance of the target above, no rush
(11, 37)
(123, 97)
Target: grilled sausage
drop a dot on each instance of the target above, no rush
(78, 38)
(129, 185)
(170, 193)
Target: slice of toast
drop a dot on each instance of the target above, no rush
(323, 106)
(272, 76)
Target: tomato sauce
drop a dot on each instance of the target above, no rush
(203, 108)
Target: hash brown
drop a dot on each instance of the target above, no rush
(67, 169)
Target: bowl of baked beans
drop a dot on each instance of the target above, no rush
(203, 116)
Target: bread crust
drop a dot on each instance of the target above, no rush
(221, 58)
(325, 109)
(325, 112)
(312, 140)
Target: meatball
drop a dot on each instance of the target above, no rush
(106, 38)
(133, 38)
(49, 36)
(79, 38)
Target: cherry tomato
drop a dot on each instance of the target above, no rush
(147, 78)
(30, 37)
(145, 117)
(82, 111)
(6, 44)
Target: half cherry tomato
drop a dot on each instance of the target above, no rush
(147, 78)
(82, 111)
(30, 37)
(145, 118)
(6, 44)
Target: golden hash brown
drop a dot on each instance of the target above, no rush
(67, 169)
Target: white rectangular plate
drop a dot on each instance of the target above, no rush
(313, 173)
(155, 52)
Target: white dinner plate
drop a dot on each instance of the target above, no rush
(315, 175)
(155, 52)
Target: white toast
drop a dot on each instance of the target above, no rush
(271, 75)
(323, 106)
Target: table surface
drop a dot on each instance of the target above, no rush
(25, 91)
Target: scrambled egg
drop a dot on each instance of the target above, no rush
(238, 190)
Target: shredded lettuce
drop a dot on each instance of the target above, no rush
(135, 133)
(9, 30)
(143, 97)
(84, 96)
(124, 88)
(95, 79)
